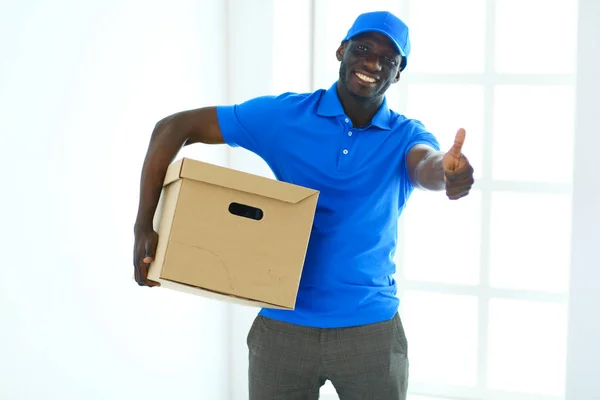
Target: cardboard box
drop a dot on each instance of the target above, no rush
(232, 235)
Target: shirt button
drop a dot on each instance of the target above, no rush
(347, 120)
(349, 133)
(345, 151)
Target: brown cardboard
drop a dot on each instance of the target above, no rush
(205, 249)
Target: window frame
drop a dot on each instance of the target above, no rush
(486, 185)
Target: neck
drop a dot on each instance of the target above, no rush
(360, 110)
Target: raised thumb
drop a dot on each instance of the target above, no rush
(459, 140)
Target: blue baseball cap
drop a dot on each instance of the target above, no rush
(386, 23)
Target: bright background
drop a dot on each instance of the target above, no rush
(499, 291)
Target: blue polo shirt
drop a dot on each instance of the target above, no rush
(306, 139)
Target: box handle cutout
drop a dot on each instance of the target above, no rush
(242, 210)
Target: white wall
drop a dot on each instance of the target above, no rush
(584, 323)
(81, 86)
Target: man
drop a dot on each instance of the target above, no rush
(365, 159)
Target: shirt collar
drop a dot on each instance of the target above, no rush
(330, 106)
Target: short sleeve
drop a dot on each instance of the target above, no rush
(250, 124)
(420, 135)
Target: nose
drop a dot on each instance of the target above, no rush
(372, 62)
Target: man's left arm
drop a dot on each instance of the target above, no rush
(429, 169)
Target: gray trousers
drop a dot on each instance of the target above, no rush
(292, 362)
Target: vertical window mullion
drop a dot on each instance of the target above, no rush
(486, 188)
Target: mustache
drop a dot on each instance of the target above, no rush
(343, 77)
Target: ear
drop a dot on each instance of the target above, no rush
(397, 77)
(339, 54)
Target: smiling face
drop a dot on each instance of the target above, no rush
(370, 63)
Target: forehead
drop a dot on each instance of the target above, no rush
(378, 38)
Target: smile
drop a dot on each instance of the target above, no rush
(364, 78)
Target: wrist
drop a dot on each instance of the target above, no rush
(429, 173)
(143, 225)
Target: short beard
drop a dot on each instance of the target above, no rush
(375, 95)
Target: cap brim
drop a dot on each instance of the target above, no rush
(400, 50)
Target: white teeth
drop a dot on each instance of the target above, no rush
(365, 78)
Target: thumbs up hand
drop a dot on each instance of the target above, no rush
(458, 173)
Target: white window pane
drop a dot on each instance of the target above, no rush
(446, 108)
(527, 347)
(333, 19)
(432, 221)
(447, 36)
(291, 24)
(442, 337)
(536, 36)
(530, 241)
(533, 133)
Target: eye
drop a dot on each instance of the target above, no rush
(362, 47)
(391, 60)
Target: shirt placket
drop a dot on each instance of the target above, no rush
(347, 144)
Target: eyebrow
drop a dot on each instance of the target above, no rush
(389, 47)
(374, 41)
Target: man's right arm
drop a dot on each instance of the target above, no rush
(168, 137)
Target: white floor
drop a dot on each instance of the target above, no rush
(418, 397)
(328, 393)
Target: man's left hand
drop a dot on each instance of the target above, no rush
(458, 173)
